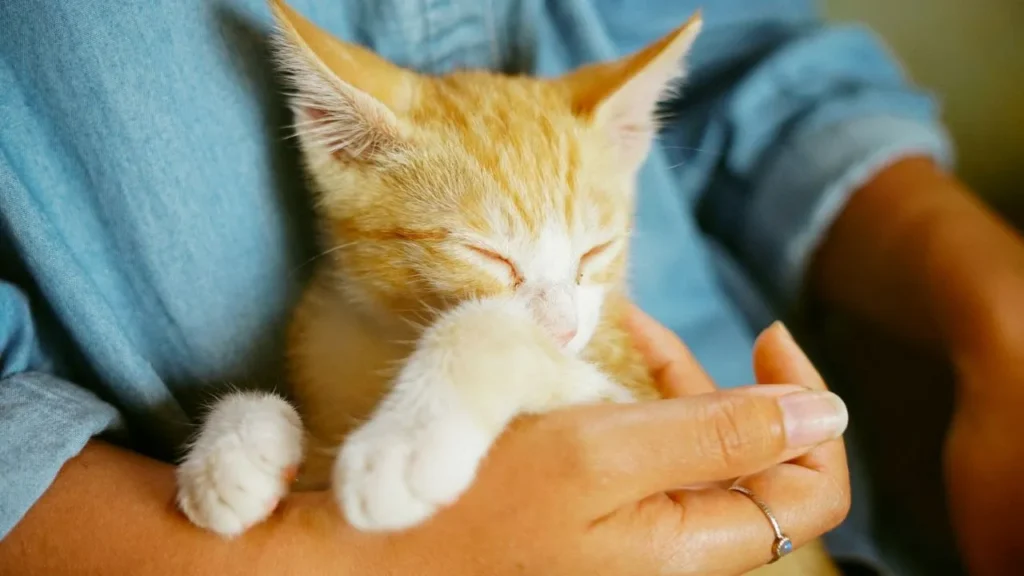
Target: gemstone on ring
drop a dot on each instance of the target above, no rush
(782, 547)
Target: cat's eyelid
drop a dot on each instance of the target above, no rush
(599, 249)
(603, 252)
(488, 253)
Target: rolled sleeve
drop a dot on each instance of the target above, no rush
(44, 422)
(814, 116)
(809, 182)
(44, 419)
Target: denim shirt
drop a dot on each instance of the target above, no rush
(154, 229)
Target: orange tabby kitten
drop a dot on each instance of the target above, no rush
(496, 210)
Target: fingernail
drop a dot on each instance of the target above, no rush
(811, 418)
(781, 327)
(778, 325)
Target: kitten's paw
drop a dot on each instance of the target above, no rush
(393, 475)
(587, 384)
(241, 464)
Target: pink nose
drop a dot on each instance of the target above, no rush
(565, 337)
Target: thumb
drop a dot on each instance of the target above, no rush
(638, 450)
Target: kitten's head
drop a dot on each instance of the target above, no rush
(435, 189)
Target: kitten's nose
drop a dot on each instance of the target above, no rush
(555, 310)
(565, 337)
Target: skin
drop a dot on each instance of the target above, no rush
(592, 490)
(913, 253)
(919, 258)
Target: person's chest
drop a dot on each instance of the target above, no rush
(152, 147)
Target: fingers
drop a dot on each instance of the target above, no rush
(778, 358)
(808, 496)
(622, 454)
(671, 364)
(721, 531)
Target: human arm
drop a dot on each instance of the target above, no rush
(916, 252)
(111, 511)
(587, 490)
(781, 120)
(916, 255)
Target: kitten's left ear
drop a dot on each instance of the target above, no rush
(347, 100)
(621, 97)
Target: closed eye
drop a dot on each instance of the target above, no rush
(596, 251)
(517, 277)
(595, 255)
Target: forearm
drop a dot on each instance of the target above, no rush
(915, 252)
(111, 511)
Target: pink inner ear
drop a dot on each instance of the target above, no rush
(314, 113)
(629, 125)
(634, 130)
(631, 137)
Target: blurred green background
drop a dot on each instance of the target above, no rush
(971, 53)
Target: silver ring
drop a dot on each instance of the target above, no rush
(782, 545)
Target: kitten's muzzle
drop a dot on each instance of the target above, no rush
(554, 308)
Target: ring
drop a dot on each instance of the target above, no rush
(782, 545)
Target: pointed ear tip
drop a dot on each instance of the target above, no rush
(278, 11)
(693, 25)
(283, 14)
(684, 36)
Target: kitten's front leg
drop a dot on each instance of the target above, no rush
(241, 463)
(472, 372)
(413, 458)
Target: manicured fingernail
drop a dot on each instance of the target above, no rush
(811, 418)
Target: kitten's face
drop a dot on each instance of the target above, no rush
(434, 190)
(500, 190)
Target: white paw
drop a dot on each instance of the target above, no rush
(587, 384)
(241, 464)
(391, 475)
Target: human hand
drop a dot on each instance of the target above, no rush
(589, 490)
(595, 489)
(677, 373)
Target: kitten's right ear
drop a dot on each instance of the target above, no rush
(347, 100)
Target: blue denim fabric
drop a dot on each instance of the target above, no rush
(153, 226)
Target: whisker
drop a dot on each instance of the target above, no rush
(321, 255)
(666, 147)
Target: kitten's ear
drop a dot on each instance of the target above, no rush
(346, 99)
(621, 97)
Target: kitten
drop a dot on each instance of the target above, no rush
(495, 211)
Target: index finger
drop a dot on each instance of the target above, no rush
(778, 358)
(673, 367)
